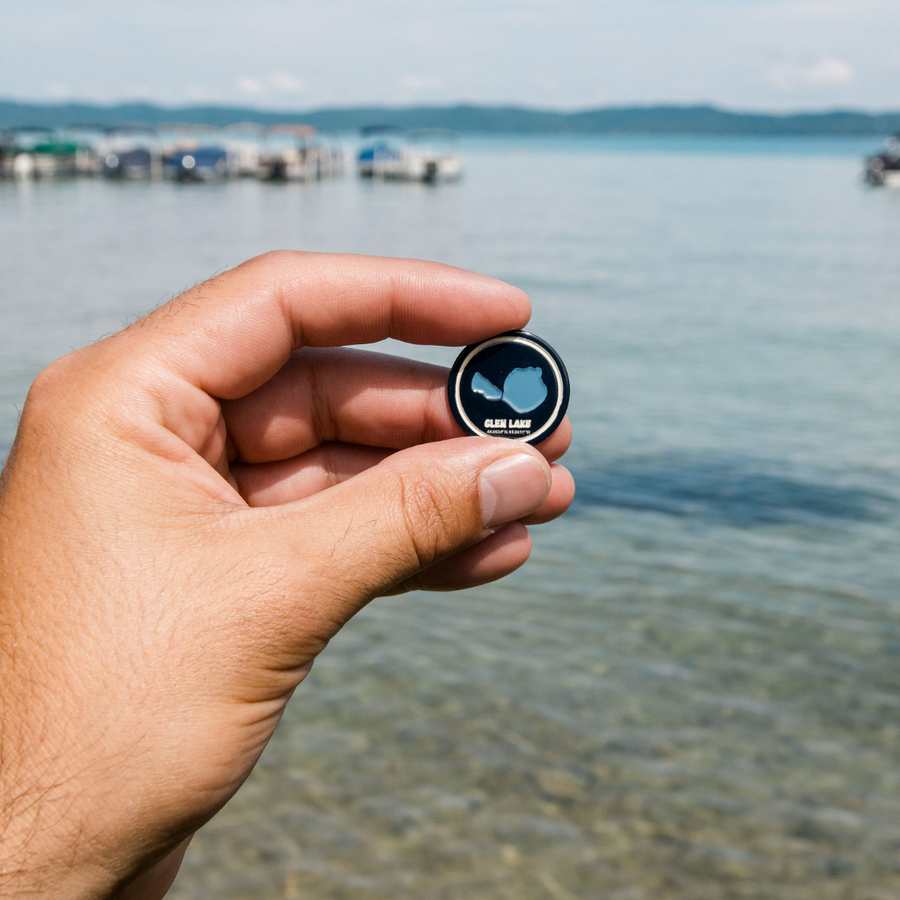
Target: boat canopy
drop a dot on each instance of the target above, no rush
(298, 130)
(380, 150)
(372, 130)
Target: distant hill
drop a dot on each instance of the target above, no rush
(638, 120)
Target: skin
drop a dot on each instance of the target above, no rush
(193, 508)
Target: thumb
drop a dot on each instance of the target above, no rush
(358, 539)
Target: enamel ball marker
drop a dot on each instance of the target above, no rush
(513, 385)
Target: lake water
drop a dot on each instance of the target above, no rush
(693, 689)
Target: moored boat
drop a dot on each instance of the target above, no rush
(86, 137)
(884, 169)
(131, 152)
(425, 155)
(193, 152)
(38, 153)
(203, 163)
(433, 155)
(381, 152)
(242, 143)
(135, 163)
(297, 153)
(6, 147)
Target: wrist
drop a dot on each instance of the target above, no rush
(42, 852)
(47, 847)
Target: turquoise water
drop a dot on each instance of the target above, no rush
(693, 689)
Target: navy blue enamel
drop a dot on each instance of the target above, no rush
(513, 385)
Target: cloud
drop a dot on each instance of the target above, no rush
(251, 86)
(273, 83)
(418, 83)
(286, 83)
(59, 91)
(827, 72)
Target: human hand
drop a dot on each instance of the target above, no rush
(191, 510)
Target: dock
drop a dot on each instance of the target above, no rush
(172, 151)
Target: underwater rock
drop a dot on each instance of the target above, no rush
(558, 784)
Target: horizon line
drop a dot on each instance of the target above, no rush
(457, 104)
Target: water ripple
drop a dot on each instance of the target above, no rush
(736, 491)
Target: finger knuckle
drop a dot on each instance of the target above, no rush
(276, 260)
(57, 384)
(51, 380)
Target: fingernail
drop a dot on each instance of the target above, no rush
(511, 488)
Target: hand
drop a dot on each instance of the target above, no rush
(192, 508)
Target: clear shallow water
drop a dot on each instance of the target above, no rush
(693, 689)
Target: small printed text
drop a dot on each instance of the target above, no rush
(507, 423)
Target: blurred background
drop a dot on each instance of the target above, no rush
(692, 691)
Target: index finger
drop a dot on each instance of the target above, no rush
(232, 333)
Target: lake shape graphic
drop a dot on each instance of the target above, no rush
(523, 390)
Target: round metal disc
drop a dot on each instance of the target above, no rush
(513, 385)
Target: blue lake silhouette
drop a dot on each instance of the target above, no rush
(480, 385)
(523, 390)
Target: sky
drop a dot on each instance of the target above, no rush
(565, 54)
